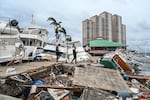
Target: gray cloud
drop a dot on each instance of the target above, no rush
(134, 14)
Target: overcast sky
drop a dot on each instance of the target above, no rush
(135, 15)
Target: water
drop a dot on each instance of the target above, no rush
(145, 65)
(145, 69)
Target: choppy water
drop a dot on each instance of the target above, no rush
(145, 69)
(145, 66)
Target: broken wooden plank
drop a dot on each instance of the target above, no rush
(139, 77)
(56, 87)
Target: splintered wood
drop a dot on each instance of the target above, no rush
(97, 77)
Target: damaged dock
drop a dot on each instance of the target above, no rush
(73, 78)
(97, 77)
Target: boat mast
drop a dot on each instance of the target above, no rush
(33, 21)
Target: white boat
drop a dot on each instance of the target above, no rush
(66, 51)
(82, 55)
(11, 47)
(34, 39)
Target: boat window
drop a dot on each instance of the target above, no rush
(40, 43)
(31, 43)
(23, 42)
(44, 44)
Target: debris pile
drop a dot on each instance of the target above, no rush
(82, 81)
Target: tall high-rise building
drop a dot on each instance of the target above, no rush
(116, 28)
(106, 26)
(87, 31)
(95, 25)
(123, 29)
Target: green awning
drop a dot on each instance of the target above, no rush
(105, 43)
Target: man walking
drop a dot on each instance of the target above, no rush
(57, 52)
(74, 54)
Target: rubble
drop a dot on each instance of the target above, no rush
(96, 94)
(64, 81)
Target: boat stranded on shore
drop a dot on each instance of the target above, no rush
(11, 46)
(31, 39)
(19, 44)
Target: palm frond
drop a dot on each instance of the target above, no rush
(53, 23)
(59, 22)
(57, 30)
(51, 19)
(63, 30)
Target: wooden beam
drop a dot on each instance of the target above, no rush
(139, 77)
(56, 87)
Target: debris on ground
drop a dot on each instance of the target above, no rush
(65, 81)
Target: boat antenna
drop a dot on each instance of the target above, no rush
(33, 21)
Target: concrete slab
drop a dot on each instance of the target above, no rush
(5, 97)
(19, 68)
(98, 77)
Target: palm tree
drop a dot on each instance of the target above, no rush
(57, 26)
(67, 37)
(63, 30)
